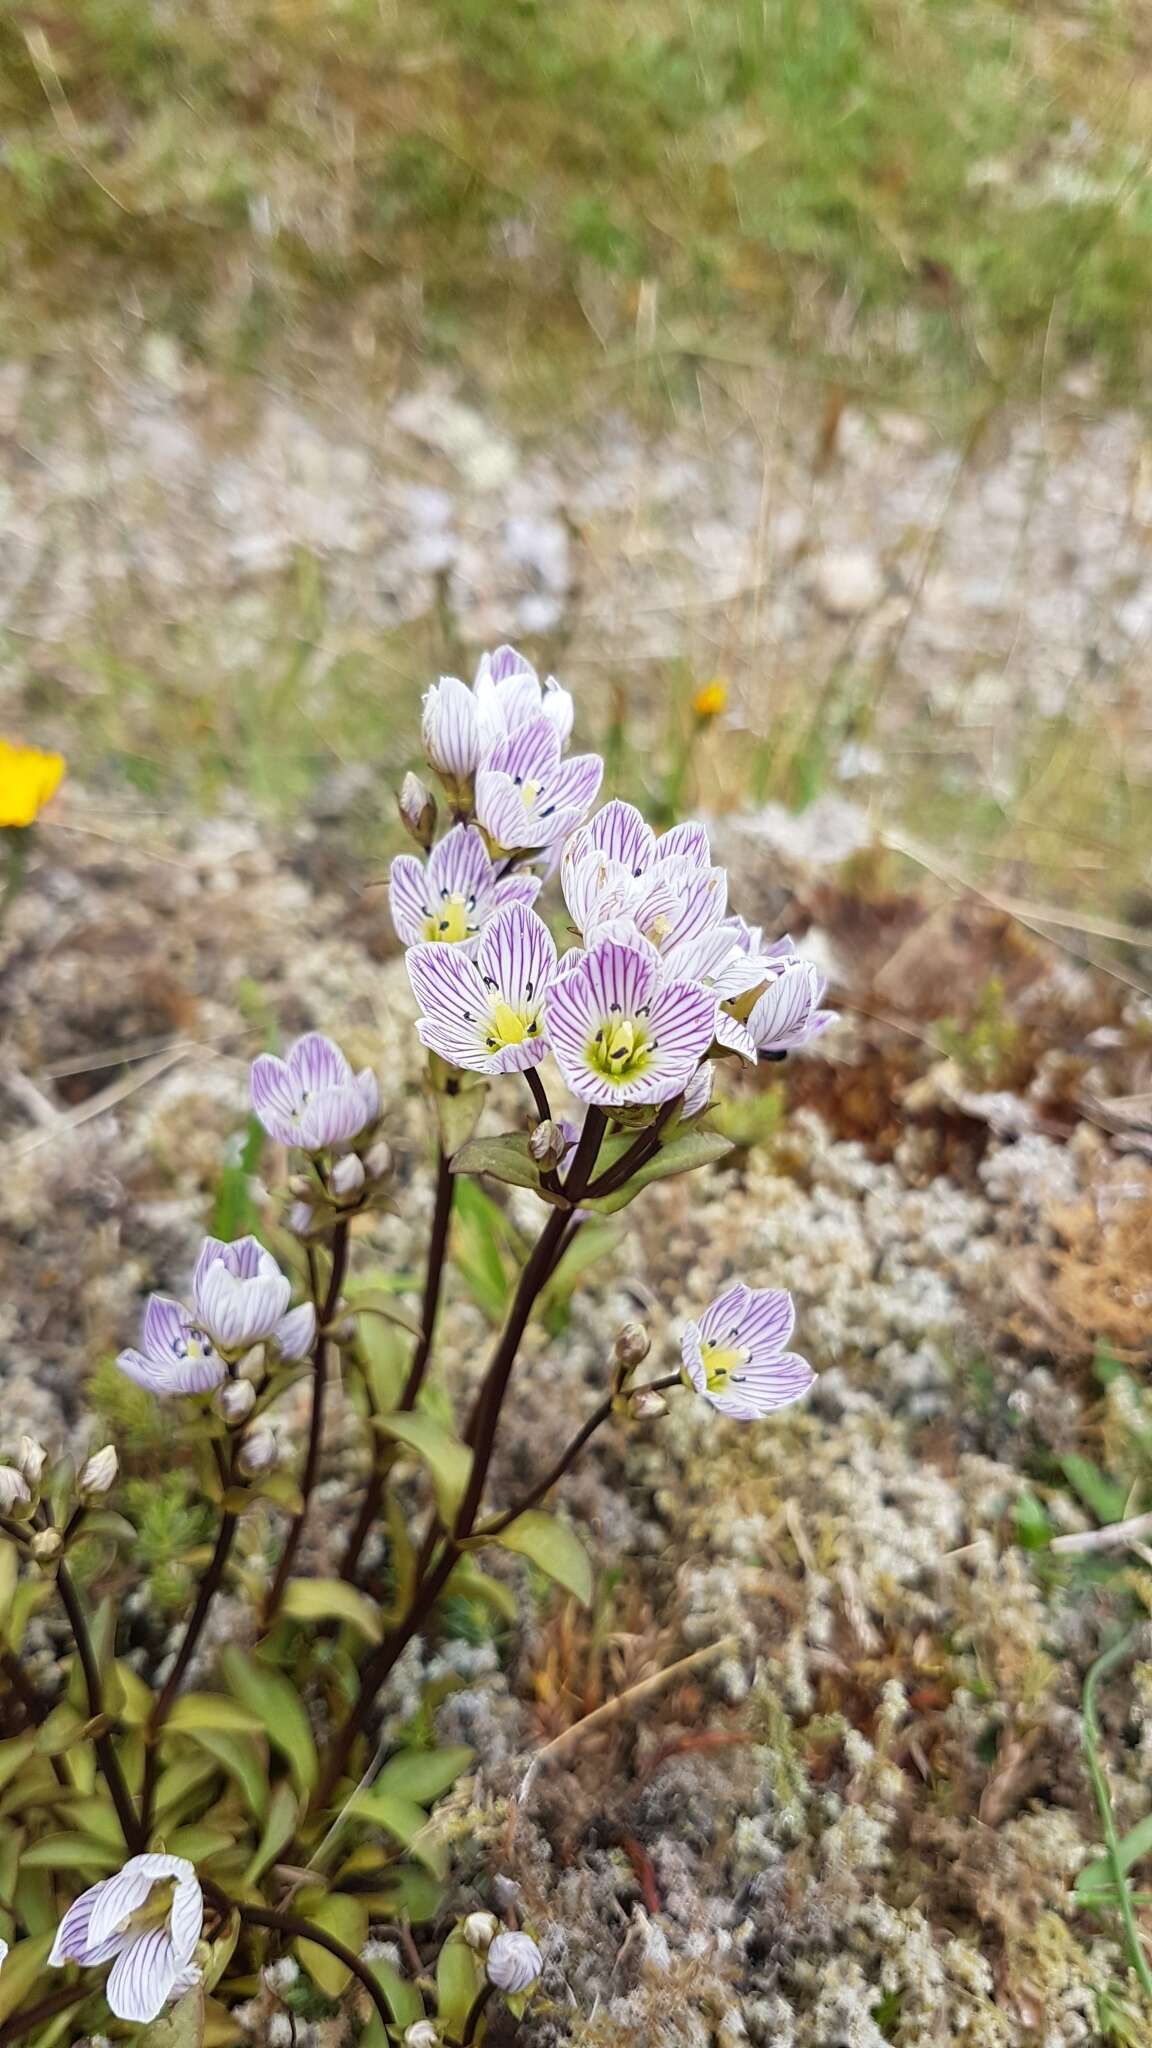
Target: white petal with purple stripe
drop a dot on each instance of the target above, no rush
(735, 1354)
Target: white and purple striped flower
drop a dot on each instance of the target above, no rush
(769, 998)
(146, 1921)
(241, 1297)
(177, 1356)
(487, 1013)
(461, 725)
(313, 1099)
(527, 798)
(735, 1354)
(616, 874)
(619, 1032)
(449, 899)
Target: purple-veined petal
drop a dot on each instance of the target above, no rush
(274, 1097)
(735, 1037)
(407, 901)
(502, 662)
(295, 1333)
(73, 1943)
(501, 810)
(519, 698)
(515, 889)
(517, 954)
(560, 707)
(687, 841)
(723, 1317)
(238, 1312)
(446, 983)
(702, 903)
(622, 833)
(459, 865)
(314, 1063)
(530, 754)
(141, 1979)
(782, 1017)
(762, 1389)
(768, 1321)
(451, 728)
(369, 1090)
(682, 1022)
(698, 1093)
(186, 1919)
(165, 1330)
(331, 1117)
(621, 978)
(119, 1898)
(575, 785)
(462, 1045)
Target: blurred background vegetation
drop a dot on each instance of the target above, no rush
(761, 217)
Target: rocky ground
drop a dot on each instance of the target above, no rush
(856, 1815)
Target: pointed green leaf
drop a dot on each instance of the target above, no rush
(333, 1600)
(505, 1158)
(424, 1775)
(553, 1547)
(448, 1460)
(402, 1999)
(279, 1828)
(1095, 1883)
(194, 1710)
(181, 2026)
(73, 1852)
(276, 1704)
(243, 1759)
(459, 1976)
(387, 1308)
(347, 1919)
(682, 1155)
(459, 1102)
(14, 1754)
(22, 1968)
(200, 1843)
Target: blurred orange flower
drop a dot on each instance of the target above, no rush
(710, 699)
(27, 779)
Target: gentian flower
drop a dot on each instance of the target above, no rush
(449, 900)
(769, 998)
(461, 725)
(239, 1298)
(615, 874)
(313, 1099)
(146, 1922)
(735, 1354)
(619, 1032)
(487, 1014)
(527, 798)
(513, 1962)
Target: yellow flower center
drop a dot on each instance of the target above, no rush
(530, 790)
(720, 1362)
(452, 919)
(507, 1026)
(620, 1050)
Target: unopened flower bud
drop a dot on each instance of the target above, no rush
(378, 1160)
(258, 1453)
(14, 1492)
(99, 1474)
(548, 1143)
(422, 2034)
(300, 1218)
(417, 807)
(347, 1176)
(235, 1400)
(31, 1459)
(46, 1544)
(480, 1930)
(647, 1406)
(632, 1344)
(513, 1962)
(301, 1185)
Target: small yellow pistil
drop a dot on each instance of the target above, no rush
(720, 1363)
(507, 1026)
(27, 779)
(620, 1050)
(452, 919)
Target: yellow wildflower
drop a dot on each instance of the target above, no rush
(710, 699)
(27, 779)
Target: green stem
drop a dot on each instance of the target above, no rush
(303, 1930)
(22, 2023)
(1101, 1669)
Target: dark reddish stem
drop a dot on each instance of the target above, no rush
(325, 1311)
(134, 1831)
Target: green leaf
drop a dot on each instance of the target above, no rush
(72, 1852)
(478, 1248)
(181, 2026)
(200, 1843)
(236, 1214)
(343, 1917)
(1094, 1885)
(470, 1583)
(424, 1774)
(553, 1547)
(1106, 1500)
(388, 1308)
(695, 1148)
(196, 1710)
(95, 1817)
(448, 1460)
(333, 1600)
(14, 1754)
(279, 1828)
(402, 1999)
(400, 1817)
(9, 1575)
(459, 1976)
(22, 1967)
(505, 1158)
(275, 1702)
(242, 1758)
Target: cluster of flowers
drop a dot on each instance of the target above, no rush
(662, 980)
